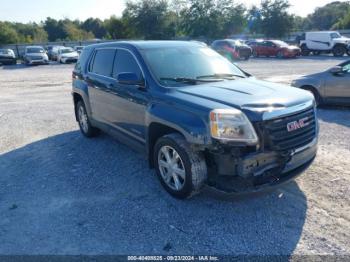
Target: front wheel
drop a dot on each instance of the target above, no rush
(339, 51)
(280, 54)
(181, 170)
(304, 50)
(83, 119)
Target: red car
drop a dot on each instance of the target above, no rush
(275, 48)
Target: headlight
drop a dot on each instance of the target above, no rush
(232, 125)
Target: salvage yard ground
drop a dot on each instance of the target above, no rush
(61, 193)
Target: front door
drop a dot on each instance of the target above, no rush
(337, 86)
(129, 101)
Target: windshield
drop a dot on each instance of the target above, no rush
(66, 50)
(171, 63)
(335, 35)
(35, 50)
(280, 43)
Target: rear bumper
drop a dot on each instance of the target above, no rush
(259, 172)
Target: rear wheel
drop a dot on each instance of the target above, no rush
(181, 170)
(339, 50)
(83, 119)
(280, 54)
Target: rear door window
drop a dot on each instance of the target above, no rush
(125, 62)
(103, 62)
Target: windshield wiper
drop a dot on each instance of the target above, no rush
(225, 76)
(192, 81)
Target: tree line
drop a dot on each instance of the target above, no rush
(169, 19)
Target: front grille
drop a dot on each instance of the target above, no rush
(36, 58)
(280, 139)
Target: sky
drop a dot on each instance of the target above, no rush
(37, 10)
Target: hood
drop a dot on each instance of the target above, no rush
(249, 95)
(72, 54)
(342, 39)
(291, 47)
(36, 54)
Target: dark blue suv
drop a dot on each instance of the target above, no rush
(200, 119)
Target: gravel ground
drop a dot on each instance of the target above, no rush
(61, 193)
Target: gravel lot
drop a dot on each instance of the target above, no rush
(61, 193)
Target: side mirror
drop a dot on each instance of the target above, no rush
(130, 79)
(336, 70)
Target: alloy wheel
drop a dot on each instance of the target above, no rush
(171, 168)
(83, 119)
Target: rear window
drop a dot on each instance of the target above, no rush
(103, 62)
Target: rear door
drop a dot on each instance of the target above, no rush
(337, 86)
(100, 81)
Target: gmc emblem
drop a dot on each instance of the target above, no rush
(295, 125)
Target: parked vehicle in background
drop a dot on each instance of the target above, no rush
(329, 87)
(35, 55)
(67, 55)
(232, 49)
(54, 52)
(197, 116)
(78, 49)
(324, 42)
(49, 51)
(275, 48)
(7, 57)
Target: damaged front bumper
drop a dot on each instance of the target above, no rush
(258, 171)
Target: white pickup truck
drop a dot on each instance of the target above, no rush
(324, 42)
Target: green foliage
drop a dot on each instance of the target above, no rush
(326, 17)
(148, 19)
(8, 35)
(74, 33)
(275, 20)
(168, 19)
(116, 28)
(213, 19)
(95, 26)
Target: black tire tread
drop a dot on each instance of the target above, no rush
(197, 163)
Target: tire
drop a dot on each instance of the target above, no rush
(339, 51)
(280, 55)
(315, 93)
(316, 52)
(191, 166)
(348, 52)
(246, 58)
(305, 51)
(255, 54)
(83, 120)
